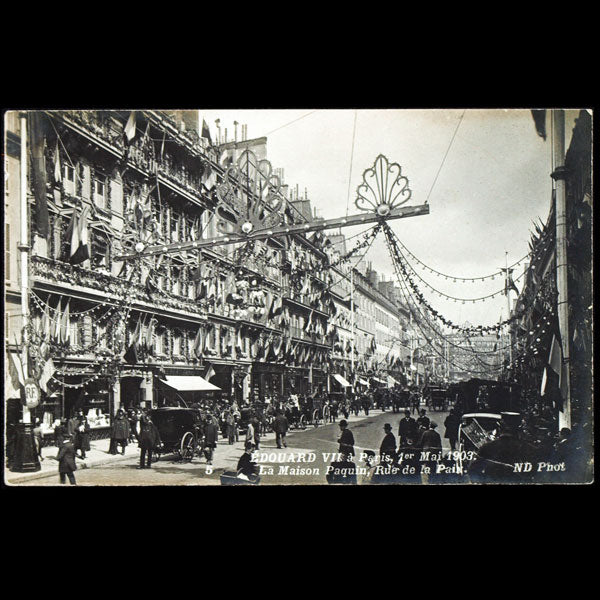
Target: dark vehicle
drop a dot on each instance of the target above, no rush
(438, 398)
(482, 395)
(475, 430)
(180, 430)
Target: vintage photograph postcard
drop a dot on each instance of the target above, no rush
(315, 297)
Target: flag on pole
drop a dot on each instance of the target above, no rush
(308, 321)
(47, 372)
(206, 131)
(130, 127)
(210, 372)
(57, 165)
(131, 356)
(539, 118)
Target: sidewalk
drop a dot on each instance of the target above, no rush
(225, 456)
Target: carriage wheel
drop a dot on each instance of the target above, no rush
(188, 446)
(316, 417)
(302, 422)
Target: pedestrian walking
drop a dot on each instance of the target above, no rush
(149, 440)
(387, 450)
(37, 436)
(423, 420)
(452, 423)
(211, 435)
(256, 425)
(415, 401)
(66, 461)
(250, 432)
(346, 440)
(82, 437)
(407, 429)
(120, 432)
(280, 427)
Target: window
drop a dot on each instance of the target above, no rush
(99, 191)
(177, 344)
(69, 179)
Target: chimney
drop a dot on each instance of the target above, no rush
(218, 123)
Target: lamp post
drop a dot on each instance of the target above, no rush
(25, 458)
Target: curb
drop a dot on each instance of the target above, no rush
(43, 475)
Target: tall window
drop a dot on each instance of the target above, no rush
(99, 191)
(69, 179)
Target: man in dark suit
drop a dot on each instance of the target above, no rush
(149, 440)
(280, 427)
(407, 429)
(387, 450)
(66, 461)
(346, 440)
(211, 435)
(423, 420)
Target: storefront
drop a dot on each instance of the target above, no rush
(296, 381)
(267, 380)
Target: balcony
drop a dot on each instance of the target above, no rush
(100, 128)
(71, 277)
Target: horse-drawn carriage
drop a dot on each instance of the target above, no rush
(437, 398)
(180, 431)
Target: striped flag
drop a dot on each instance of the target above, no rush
(197, 348)
(210, 372)
(57, 165)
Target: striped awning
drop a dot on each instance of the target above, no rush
(343, 382)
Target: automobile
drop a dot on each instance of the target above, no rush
(179, 429)
(475, 429)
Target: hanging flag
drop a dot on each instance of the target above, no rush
(38, 170)
(239, 342)
(544, 382)
(131, 356)
(65, 325)
(210, 372)
(555, 357)
(539, 118)
(197, 347)
(130, 127)
(162, 147)
(80, 247)
(57, 165)
(46, 374)
(55, 325)
(18, 367)
(276, 307)
(149, 335)
(308, 323)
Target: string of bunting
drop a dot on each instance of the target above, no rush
(455, 278)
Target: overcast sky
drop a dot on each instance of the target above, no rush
(494, 183)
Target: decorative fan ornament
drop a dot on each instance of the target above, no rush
(249, 197)
(384, 188)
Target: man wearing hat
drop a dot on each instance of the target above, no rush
(346, 440)
(496, 460)
(387, 450)
(407, 429)
(431, 448)
(66, 461)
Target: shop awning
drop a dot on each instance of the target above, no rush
(343, 382)
(189, 384)
(363, 381)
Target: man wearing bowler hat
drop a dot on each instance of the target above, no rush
(497, 459)
(387, 450)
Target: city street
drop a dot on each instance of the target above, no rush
(367, 431)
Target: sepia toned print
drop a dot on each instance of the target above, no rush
(342, 297)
